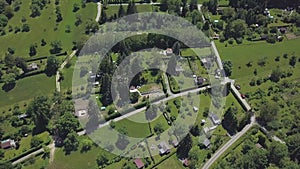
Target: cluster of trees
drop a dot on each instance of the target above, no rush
(232, 123)
(273, 155)
(36, 7)
(7, 9)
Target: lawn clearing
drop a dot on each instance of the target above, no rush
(26, 89)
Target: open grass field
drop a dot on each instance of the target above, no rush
(26, 89)
(240, 55)
(45, 26)
(78, 159)
(171, 162)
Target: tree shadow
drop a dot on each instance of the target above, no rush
(8, 87)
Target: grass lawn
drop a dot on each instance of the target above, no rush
(134, 129)
(77, 159)
(171, 162)
(26, 89)
(45, 26)
(240, 55)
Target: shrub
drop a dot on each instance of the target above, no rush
(230, 41)
(239, 40)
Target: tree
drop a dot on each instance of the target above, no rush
(105, 91)
(235, 29)
(164, 5)
(71, 142)
(86, 144)
(268, 112)
(3, 20)
(67, 123)
(176, 48)
(184, 147)
(39, 111)
(9, 12)
(121, 11)
(25, 28)
(158, 128)
(56, 47)
(75, 7)
(52, 65)
(131, 9)
(276, 75)
(35, 141)
(277, 151)
(46, 152)
(212, 6)
(293, 61)
(230, 122)
(293, 144)
(35, 10)
(227, 65)
(193, 5)
(103, 17)
(102, 159)
(134, 97)
(9, 80)
(32, 50)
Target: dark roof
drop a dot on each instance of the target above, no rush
(138, 162)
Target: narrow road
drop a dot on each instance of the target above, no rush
(199, 9)
(229, 143)
(51, 146)
(99, 11)
(219, 61)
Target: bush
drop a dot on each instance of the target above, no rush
(230, 41)
(271, 39)
(239, 40)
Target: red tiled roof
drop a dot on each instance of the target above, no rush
(138, 162)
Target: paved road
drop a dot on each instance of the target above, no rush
(99, 12)
(219, 61)
(229, 143)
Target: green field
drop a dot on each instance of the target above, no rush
(240, 55)
(111, 10)
(45, 26)
(78, 159)
(171, 162)
(26, 89)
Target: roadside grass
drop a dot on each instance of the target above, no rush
(78, 159)
(26, 89)
(45, 27)
(39, 162)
